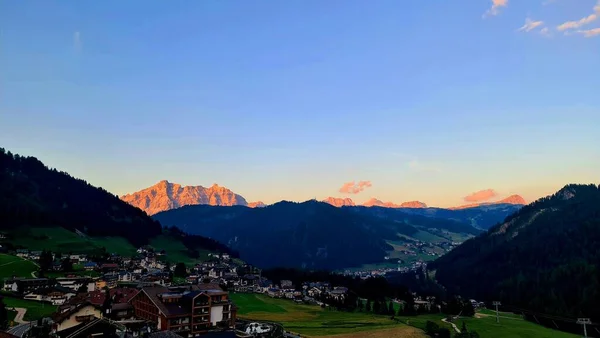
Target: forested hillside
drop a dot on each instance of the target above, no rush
(545, 257)
(34, 196)
(310, 234)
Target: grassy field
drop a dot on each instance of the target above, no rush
(15, 266)
(511, 326)
(35, 310)
(314, 321)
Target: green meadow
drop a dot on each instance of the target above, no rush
(314, 321)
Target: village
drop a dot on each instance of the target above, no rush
(146, 294)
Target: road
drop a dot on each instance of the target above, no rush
(19, 330)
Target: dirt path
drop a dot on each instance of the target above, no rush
(453, 325)
(20, 314)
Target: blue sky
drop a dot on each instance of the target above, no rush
(427, 100)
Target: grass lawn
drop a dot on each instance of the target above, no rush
(15, 266)
(312, 320)
(35, 310)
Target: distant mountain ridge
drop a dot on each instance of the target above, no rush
(373, 202)
(512, 199)
(166, 196)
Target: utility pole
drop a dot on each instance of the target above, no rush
(496, 304)
(584, 321)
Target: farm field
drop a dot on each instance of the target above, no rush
(314, 321)
(35, 310)
(15, 266)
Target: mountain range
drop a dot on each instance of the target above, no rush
(543, 258)
(166, 196)
(317, 235)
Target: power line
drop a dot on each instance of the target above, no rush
(496, 304)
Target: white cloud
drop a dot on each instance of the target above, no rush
(581, 22)
(496, 5)
(530, 25)
(590, 33)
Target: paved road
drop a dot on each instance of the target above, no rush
(19, 330)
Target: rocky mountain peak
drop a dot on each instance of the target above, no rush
(339, 202)
(166, 196)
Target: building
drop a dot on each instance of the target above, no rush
(71, 316)
(55, 295)
(25, 286)
(192, 310)
(75, 283)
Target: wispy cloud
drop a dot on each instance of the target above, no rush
(496, 6)
(354, 187)
(417, 165)
(480, 196)
(590, 33)
(570, 25)
(546, 32)
(530, 25)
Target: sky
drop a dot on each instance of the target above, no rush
(436, 101)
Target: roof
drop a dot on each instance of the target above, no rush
(119, 295)
(59, 317)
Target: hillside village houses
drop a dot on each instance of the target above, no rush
(137, 292)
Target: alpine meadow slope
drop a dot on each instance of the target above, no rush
(544, 258)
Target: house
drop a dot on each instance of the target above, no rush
(109, 267)
(77, 258)
(35, 255)
(55, 295)
(191, 310)
(286, 284)
(125, 276)
(90, 266)
(22, 253)
(339, 293)
(68, 317)
(274, 292)
(111, 279)
(314, 292)
(75, 283)
(25, 286)
(121, 309)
